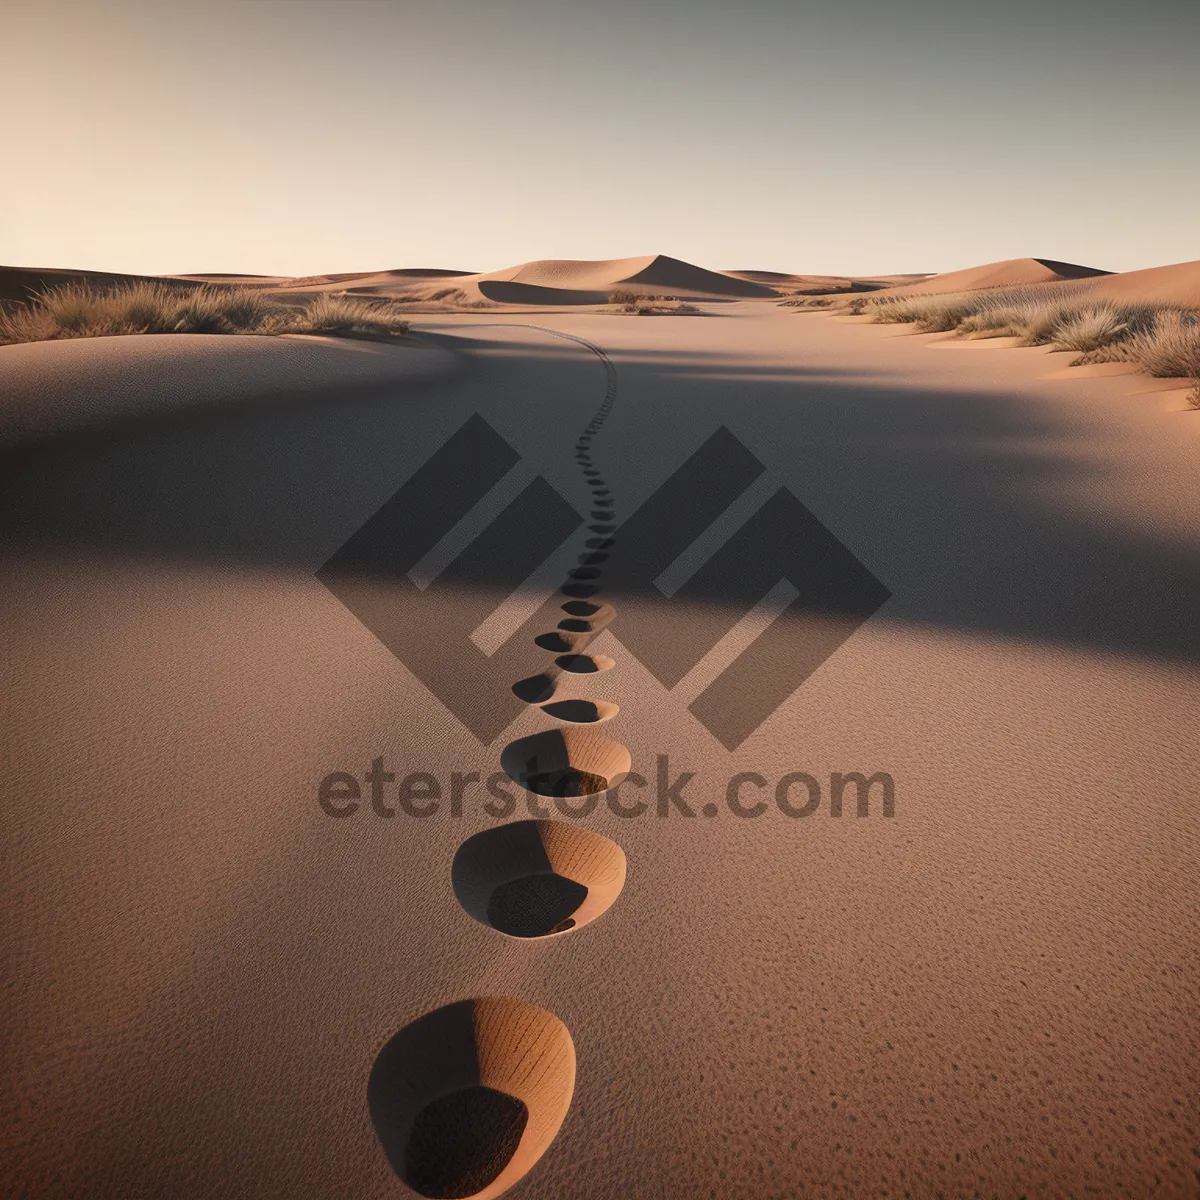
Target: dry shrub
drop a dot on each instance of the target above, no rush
(75, 311)
(931, 314)
(349, 314)
(1003, 321)
(1090, 329)
(1163, 341)
(1170, 347)
(79, 311)
(1065, 318)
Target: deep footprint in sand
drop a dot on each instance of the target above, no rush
(580, 710)
(468, 1097)
(537, 878)
(584, 664)
(573, 762)
(580, 591)
(537, 689)
(589, 618)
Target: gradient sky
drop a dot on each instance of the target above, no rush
(301, 136)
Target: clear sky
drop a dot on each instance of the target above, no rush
(302, 136)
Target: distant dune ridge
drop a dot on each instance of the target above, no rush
(18, 284)
(565, 282)
(1011, 272)
(1178, 283)
(817, 284)
(590, 282)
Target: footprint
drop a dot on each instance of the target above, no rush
(559, 642)
(537, 689)
(468, 1097)
(537, 878)
(592, 618)
(565, 763)
(581, 591)
(585, 664)
(580, 711)
(581, 608)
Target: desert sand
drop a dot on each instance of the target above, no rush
(1012, 272)
(1177, 284)
(214, 984)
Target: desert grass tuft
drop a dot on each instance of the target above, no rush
(1091, 329)
(1161, 340)
(1169, 348)
(348, 314)
(649, 304)
(78, 311)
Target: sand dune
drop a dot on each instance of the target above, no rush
(231, 278)
(1178, 283)
(815, 284)
(398, 281)
(17, 284)
(582, 282)
(1174, 284)
(51, 388)
(554, 281)
(990, 986)
(512, 291)
(1012, 272)
(648, 272)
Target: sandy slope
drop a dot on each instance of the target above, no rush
(1178, 283)
(586, 283)
(806, 283)
(648, 271)
(396, 282)
(1013, 272)
(60, 387)
(995, 991)
(545, 281)
(17, 284)
(1175, 284)
(556, 282)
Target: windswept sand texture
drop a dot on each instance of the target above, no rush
(221, 987)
